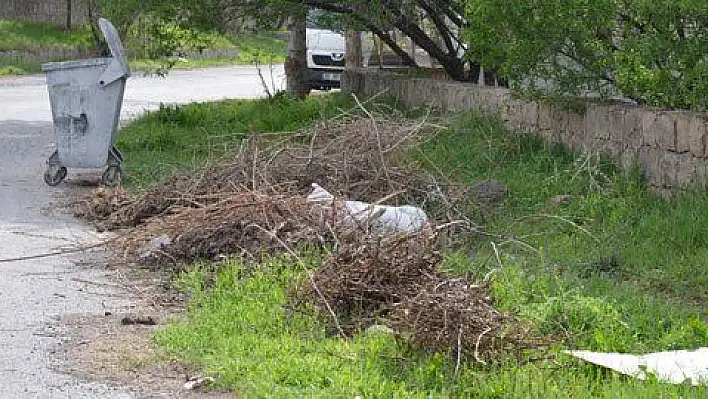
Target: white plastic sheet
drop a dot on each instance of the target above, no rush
(674, 367)
(404, 219)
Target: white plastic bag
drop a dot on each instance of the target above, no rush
(674, 367)
(383, 218)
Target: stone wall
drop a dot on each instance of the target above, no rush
(671, 147)
(48, 11)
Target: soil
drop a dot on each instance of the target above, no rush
(116, 349)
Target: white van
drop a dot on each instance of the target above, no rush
(325, 58)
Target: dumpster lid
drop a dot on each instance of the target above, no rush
(54, 66)
(119, 68)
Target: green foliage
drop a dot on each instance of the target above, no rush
(153, 37)
(650, 51)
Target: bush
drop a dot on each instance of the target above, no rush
(650, 51)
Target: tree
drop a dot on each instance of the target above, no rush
(68, 14)
(298, 75)
(434, 26)
(353, 54)
(653, 52)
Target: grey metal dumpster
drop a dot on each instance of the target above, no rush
(86, 98)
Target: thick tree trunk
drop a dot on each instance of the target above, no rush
(68, 14)
(296, 71)
(353, 52)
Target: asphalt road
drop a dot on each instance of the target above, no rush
(35, 294)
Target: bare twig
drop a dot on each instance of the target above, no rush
(476, 348)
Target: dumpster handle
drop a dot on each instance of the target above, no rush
(118, 67)
(116, 70)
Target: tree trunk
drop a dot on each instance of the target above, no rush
(296, 71)
(68, 15)
(353, 52)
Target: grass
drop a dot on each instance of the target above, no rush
(238, 331)
(32, 37)
(10, 66)
(612, 226)
(29, 36)
(263, 49)
(613, 269)
(177, 138)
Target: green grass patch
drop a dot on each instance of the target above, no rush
(179, 138)
(262, 49)
(150, 66)
(16, 66)
(29, 36)
(239, 331)
(612, 228)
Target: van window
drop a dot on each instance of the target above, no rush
(319, 19)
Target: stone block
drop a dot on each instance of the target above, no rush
(447, 96)
(597, 121)
(529, 116)
(545, 116)
(659, 130)
(490, 100)
(668, 165)
(701, 166)
(686, 170)
(514, 113)
(648, 132)
(667, 133)
(649, 164)
(576, 126)
(697, 132)
(632, 127)
(684, 123)
(617, 114)
(559, 126)
(469, 99)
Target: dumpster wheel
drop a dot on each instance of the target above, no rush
(112, 176)
(54, 175)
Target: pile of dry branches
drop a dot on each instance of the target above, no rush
(367, 274)
(396, 281)
(355, 158)
(246, 224)
(253, 202)
(252, 198)
(451, 314)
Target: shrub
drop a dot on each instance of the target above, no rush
(652, 52)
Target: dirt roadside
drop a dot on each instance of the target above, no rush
(61, 334)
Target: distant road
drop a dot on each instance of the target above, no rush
(26, 98)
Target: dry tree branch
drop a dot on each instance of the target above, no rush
(479, 340)
(378, 136)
